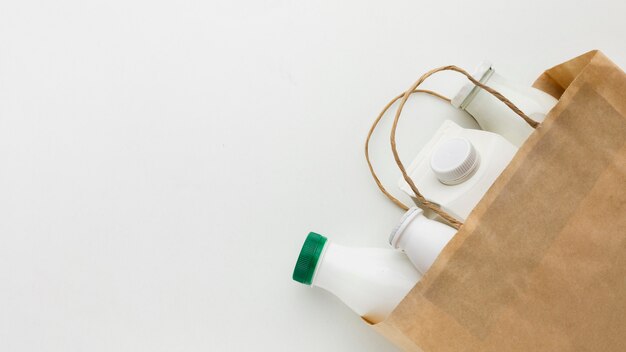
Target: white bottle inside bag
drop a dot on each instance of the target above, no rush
(493, 115)
(421, 238)
(371, 281)
(457, 167)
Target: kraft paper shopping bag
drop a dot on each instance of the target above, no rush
(540, 263)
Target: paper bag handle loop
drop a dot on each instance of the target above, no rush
(403, 99)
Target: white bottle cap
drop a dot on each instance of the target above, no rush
(454, 161)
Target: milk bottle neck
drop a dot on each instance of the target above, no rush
(336, 264)
(422, 239)
(467, 93)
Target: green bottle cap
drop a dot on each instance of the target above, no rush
(309, 256)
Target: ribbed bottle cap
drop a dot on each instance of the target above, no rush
(308, 258)
(454, 161)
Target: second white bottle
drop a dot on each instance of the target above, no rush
(493, 115)
(457, 166)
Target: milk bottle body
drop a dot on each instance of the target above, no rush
(371, 281)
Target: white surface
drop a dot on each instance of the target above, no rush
(162, 161)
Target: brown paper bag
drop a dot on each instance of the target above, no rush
(540, 264)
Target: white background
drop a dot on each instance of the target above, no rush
(161, 162)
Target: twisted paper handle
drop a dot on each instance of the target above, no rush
(403, 99)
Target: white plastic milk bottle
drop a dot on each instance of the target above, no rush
(371, 281)
(457, 167)
(493, 115)
(421, 238)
